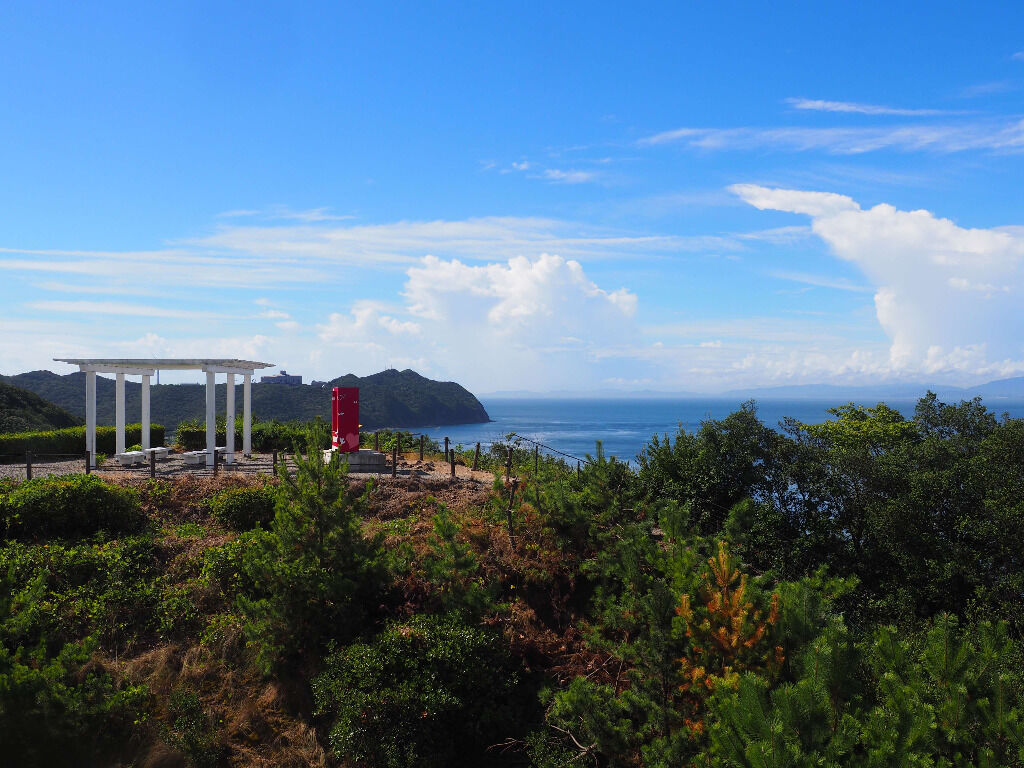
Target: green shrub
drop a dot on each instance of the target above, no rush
(68, 506)
(62, 592)
(224, 566)
(71, 441)
(432, 691)
(243, 508)
(55, 710)
(192, 730)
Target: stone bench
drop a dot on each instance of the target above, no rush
(194, 457)
(160, 452)
(130, 458)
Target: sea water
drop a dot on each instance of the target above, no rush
(625, 426)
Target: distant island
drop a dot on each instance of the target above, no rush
(390, 398)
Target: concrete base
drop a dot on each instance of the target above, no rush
(364, 460)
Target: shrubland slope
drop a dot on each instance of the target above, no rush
(24, 411)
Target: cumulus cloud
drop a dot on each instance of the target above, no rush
(539, 323)
(948, 297)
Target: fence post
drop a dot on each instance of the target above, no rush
(398, 441)
(88, 463)
(394, 459)
(216, 457)
(152, 464)
(376, 441)
(28, 465)
(421, 447)
(446, 449)
(476, 457)
(508, 464)
(452, 457)
(511, 500)
(536, 459)
(275, 461)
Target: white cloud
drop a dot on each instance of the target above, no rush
(821, 281)
(405, 242)
(821, 105)
(569, 177)
(984, 89)
(540, 322)
(948, 297)
(1018, 56)
(996, 136)
(131, 310)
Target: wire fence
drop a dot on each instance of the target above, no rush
(492, 455)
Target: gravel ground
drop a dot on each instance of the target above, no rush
(263, 463)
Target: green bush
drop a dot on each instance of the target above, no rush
(55, 710)
(68, 506)
(60, 593)
(71, 441)
(432, 691)
(192, 730)
(224, 566)
(243, 508)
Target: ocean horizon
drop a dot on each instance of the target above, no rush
(625, 425)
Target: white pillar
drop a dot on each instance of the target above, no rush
(229, 420)
(211, 417)
(90, 415)
(145, 413)
(247, 414)
(119, 406)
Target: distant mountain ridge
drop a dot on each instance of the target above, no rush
(387, 399)
(24, 411)
(1010, 389)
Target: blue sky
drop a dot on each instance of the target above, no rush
(586, 196)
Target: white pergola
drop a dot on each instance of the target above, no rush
(147, 368)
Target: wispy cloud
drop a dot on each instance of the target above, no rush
(286, 213)
(569, 177)
(984, 89)
(822, 281)
(118, 308)
(951, 137)
(822, 105)
(1018, 56)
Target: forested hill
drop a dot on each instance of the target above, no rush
(387, 399)
(25, 411)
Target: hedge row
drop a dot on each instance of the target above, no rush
(266, 436)
(277, 436)
(72, 440)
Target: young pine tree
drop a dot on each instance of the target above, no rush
(318, 574)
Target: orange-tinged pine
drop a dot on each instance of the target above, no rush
(728, 636)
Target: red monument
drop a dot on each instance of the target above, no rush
(345, 419)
